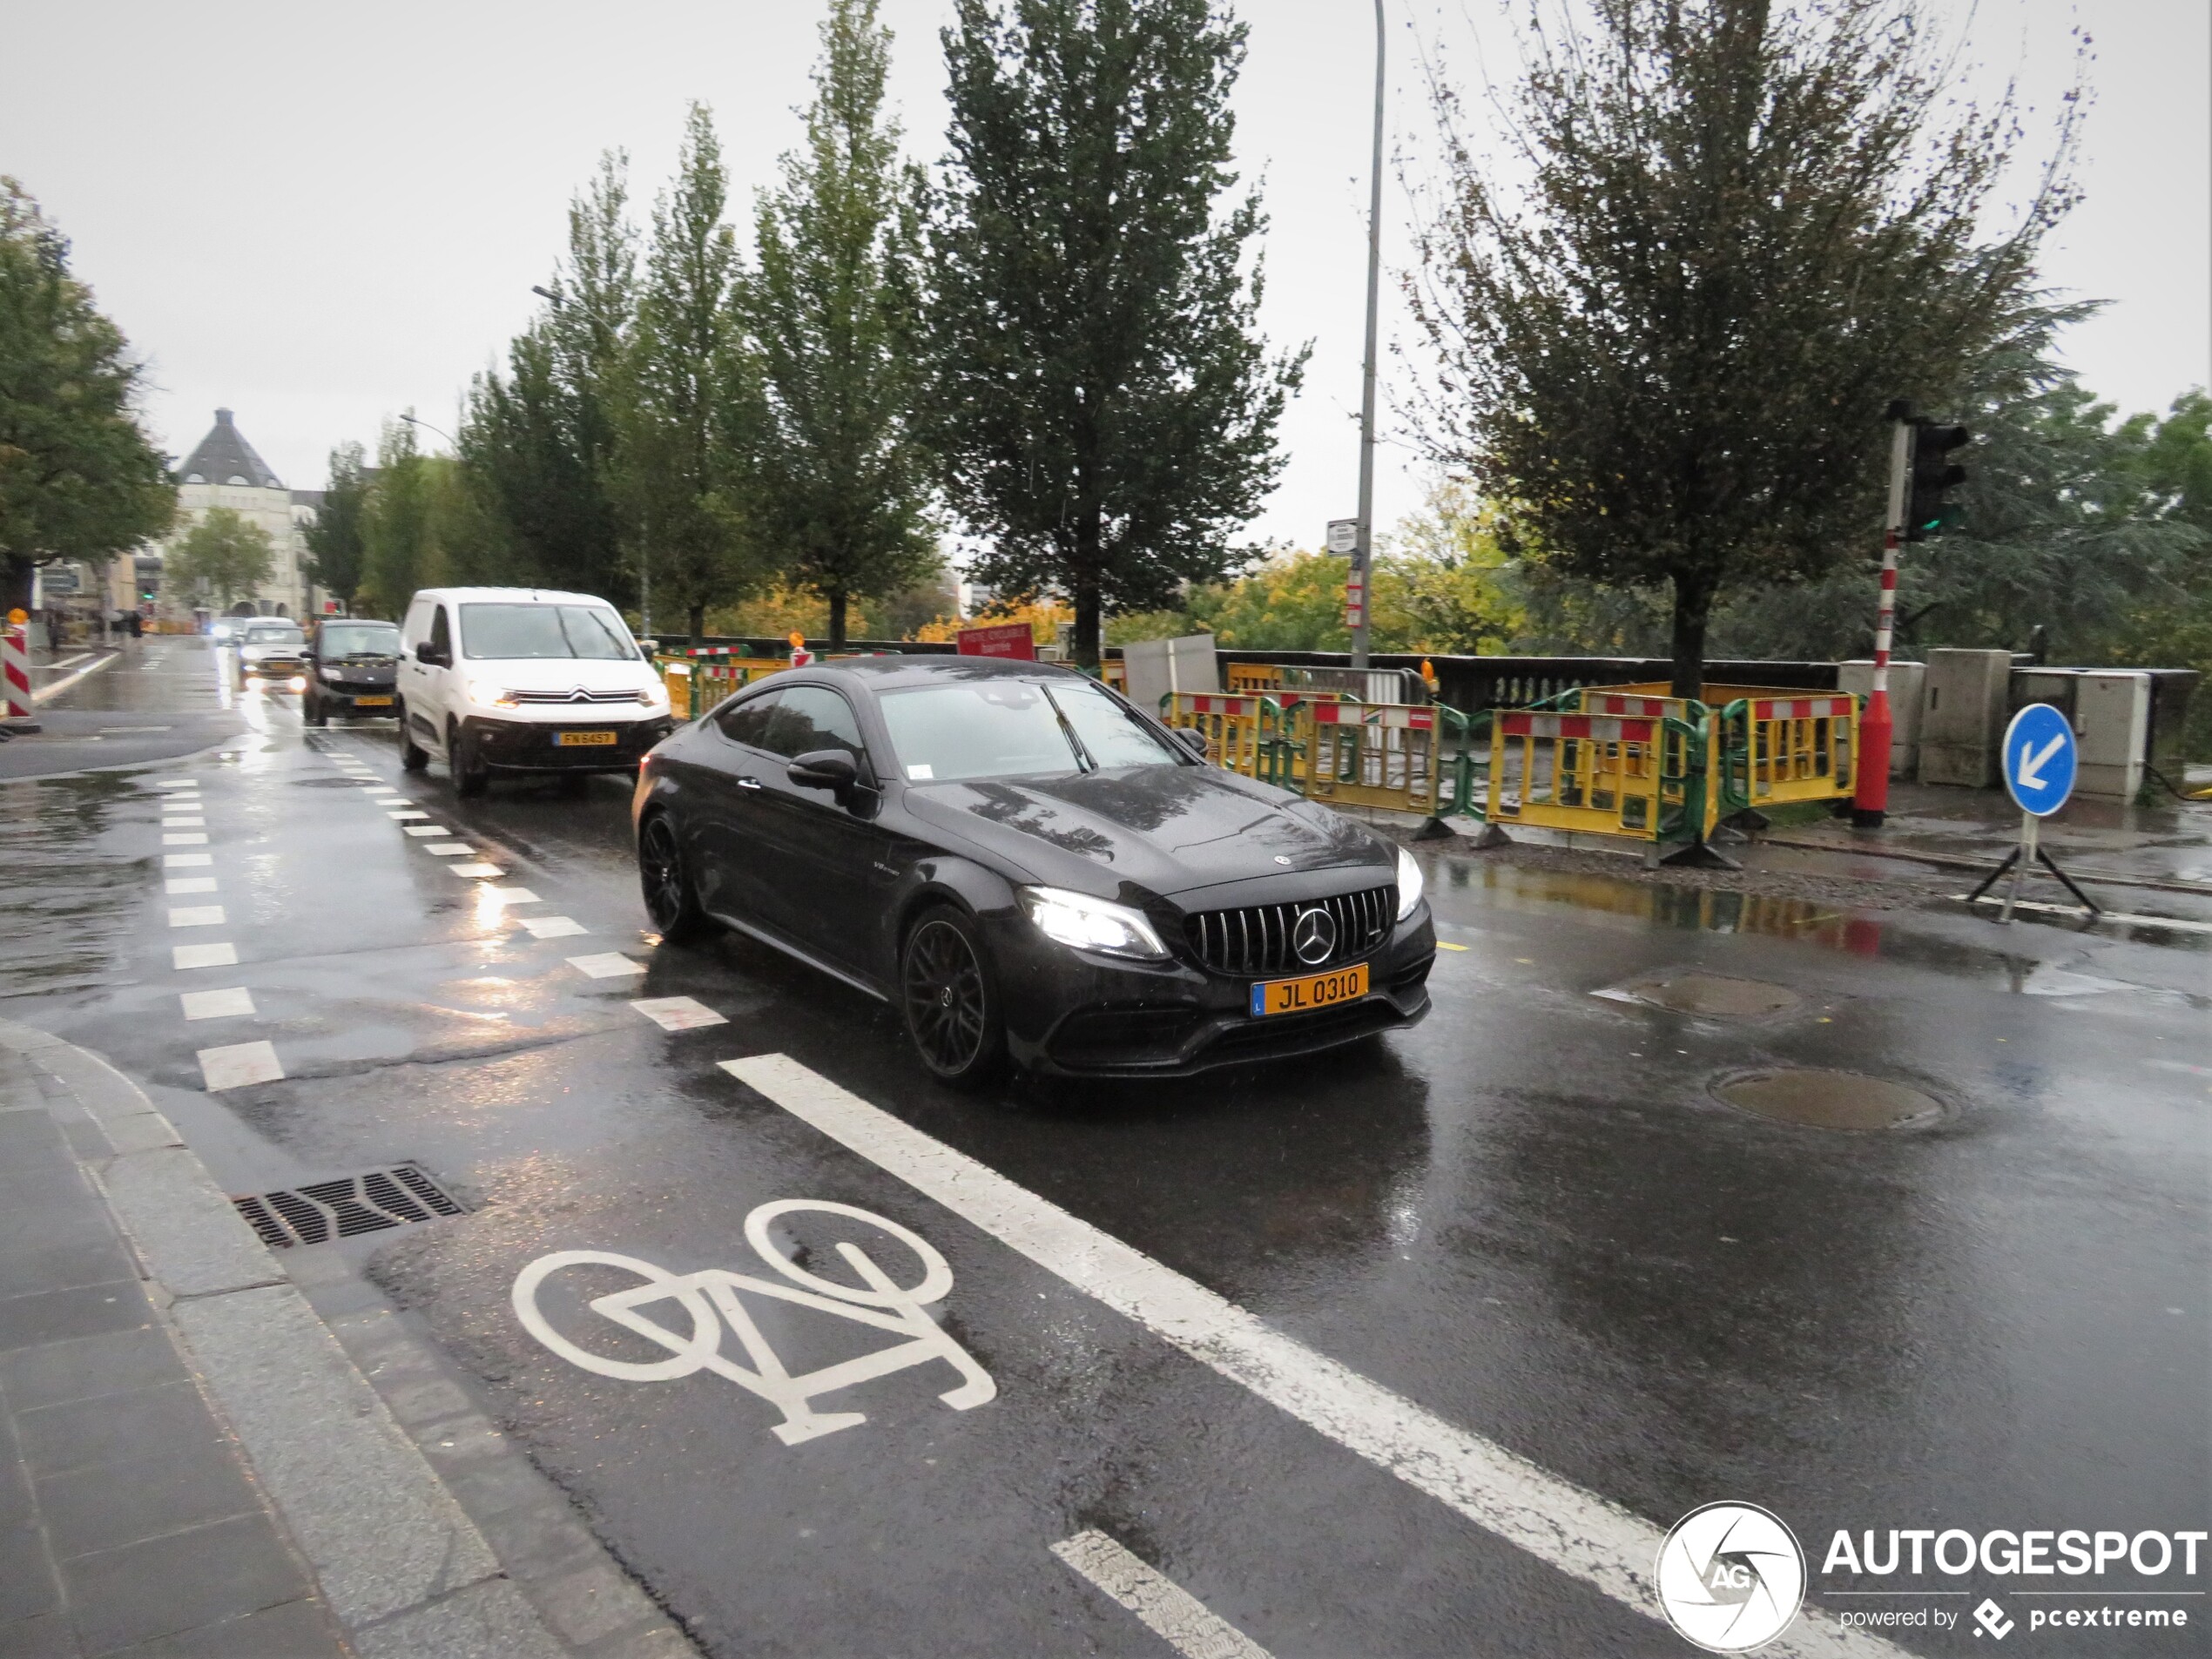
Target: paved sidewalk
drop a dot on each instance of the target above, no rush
(127, 1514)
(193, 1463)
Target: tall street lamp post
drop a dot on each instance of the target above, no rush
(1363, 556)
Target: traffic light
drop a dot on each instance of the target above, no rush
(1932, 475)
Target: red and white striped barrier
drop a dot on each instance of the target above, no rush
(1653, 708)
(1598, 727)
(15, 670)
(1387, 715)
(1803, 708)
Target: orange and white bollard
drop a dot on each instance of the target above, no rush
(14, 667)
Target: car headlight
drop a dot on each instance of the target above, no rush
(1409, 884)
(1084, 923)
(656, 696)
(491, 694)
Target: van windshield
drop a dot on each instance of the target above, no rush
(510, 631)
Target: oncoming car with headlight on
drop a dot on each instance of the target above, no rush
(1029, 870)
(274, 648)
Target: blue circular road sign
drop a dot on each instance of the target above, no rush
(2039, 759)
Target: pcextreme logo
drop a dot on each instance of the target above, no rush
(1731, 1577)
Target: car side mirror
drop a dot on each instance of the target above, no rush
(830, 769)
(1191, 739)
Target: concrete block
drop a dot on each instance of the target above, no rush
(1962, 717)
(191, 1237)
(1908, 688)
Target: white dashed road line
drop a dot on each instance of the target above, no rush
(427, 829)
(239, 1064)
(512, 896)
(408, 817)
(553, 927)
(1171, 1612)
(450, 849)
(183, 884)
(1582, 1534)
(196, 915)
(186, 860)
(480, 868)
(183, 956)
(608, 965)
(677, 1013)
(217, 1005)
(175, 783)
(188, 838)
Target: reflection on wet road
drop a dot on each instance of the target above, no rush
(1531, 1219)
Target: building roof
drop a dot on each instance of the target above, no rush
(224, 457)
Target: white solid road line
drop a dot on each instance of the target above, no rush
(217, 1005)
(239, 1064)
(182, 956)
(1171, 1612)
(1582, 1534)
(2076, 913)
(677, 1013)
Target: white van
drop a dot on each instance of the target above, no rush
(523, 680)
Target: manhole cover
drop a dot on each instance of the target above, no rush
(1829, 1099)
(1691, 991)
(320, 1211)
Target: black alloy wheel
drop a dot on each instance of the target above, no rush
(951, 1004)
(466, 761)
(669, 900)
(413, 756)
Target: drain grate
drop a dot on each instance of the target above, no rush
(319, 1211)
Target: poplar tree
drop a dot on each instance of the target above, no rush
(685, 406)
(840, 482)
(1104, 407)
(539, 441)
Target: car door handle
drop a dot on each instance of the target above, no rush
(748, 783)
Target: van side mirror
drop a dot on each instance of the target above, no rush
(830, 769)
(431, 656)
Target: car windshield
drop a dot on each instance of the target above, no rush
(1006, 728)
(280, 634)
(509, 631)
(358, 639)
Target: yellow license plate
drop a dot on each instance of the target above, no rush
(371, 701)
(585, 739)
(1314, 991)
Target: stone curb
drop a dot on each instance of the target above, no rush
(402, 1567)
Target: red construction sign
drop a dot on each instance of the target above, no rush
(1001, 639)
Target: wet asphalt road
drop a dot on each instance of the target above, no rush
(1529, 1215)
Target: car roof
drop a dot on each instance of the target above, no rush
(889, 672)
(510, 596)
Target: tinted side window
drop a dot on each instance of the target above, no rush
(811, 718)
(747, 721)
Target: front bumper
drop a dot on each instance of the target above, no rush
(533, 746)
(1078, 1014)
(345, 696)
(272, 668)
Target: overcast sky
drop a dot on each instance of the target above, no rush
(318, 216)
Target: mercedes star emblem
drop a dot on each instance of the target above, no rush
(1314, 936)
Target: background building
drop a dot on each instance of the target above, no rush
(223, 471)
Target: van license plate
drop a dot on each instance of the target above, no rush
(1314, 991)
(585, 739)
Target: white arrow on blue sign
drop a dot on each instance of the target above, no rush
(2039, 759)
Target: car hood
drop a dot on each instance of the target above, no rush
(1168, 829)
(274, 648)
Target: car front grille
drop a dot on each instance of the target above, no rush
(579, 695)
(1259, 938)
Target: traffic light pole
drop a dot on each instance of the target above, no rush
(1870, 806)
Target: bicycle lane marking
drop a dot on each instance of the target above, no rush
(1584, 1535)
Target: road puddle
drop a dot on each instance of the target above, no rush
(70, 894)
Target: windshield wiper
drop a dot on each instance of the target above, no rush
(1084, 762)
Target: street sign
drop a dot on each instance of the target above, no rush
(1344, 536)
(2039, 759)
(1012, 639)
